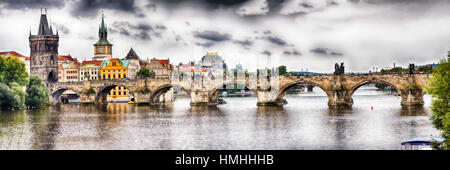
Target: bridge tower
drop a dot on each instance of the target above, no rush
(44, 51)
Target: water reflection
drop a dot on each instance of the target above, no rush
(375, 121)
(413, 111)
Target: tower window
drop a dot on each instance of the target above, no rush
(100, 50)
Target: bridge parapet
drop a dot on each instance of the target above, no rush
(269, 90)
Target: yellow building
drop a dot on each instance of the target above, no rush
(116, 69)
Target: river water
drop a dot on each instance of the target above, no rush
(306, 122)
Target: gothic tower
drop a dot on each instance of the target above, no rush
(44, 52)
(102, 49)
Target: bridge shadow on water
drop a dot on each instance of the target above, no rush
(213, 111)
(413, 111)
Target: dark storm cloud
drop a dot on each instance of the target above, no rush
(32, 4)
(267, 53)
(212, 35)
(244, 43)
(325, 51)
(210, 4)
(90, 8)
(141, 31)
(276, 40)
(206, 44)
(306, 5)
(293, 52)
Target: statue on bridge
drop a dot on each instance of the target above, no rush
(411, 68)
(339, 70)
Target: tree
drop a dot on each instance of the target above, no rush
(439, 88)
(9, 97)
(143, 72)
(37, 93)
(282, 70)
(12, 70)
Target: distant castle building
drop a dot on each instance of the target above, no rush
(44, 52)
(102, 49)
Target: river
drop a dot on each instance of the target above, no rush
(306, 122)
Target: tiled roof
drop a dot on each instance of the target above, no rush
(12, 53)
(67, 57)
(96, 62)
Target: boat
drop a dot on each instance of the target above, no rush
(422, 143)
(131, 102)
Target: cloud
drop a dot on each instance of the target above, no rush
(31, 4)
(267, 53)
(212, 36)
(325, 51)
(141, 31)
(206, 44)
(292, 53)
(90, 8)
(276, 40)
(63, 29)
(244, 43)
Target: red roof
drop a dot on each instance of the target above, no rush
(96, 62)
(13, 53)
(67, 57)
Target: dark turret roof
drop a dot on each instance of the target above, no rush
(103, 34)
(44, 28)
(132, 55)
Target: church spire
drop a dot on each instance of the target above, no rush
(103, 33)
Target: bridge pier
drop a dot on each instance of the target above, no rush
(339, 97)
(270, 98)
(201, 98)
(87, 99)
(142, 98)
(412, 97)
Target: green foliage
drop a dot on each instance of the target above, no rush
(410, 86)
(88, 91)
(380, 85)
(338, 88)
(143, 72)
(11, 97)
(12, 70)
(143, 90)
(439, 88)
(37, 93)
(282, 70)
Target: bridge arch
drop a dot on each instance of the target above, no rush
(214, 93)
(56, 94)
(155, 94)
(102, 92)
(353, 89)
(281, 92)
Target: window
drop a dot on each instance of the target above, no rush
(100, 50)
(120, 93)
(125, 93)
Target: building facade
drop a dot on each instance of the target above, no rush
(161, 68)
(69, 72)
(102, 49)
(116, 69)
(90, 70)
(134, 65)
(44, 52)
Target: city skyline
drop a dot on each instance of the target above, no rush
(369, 33)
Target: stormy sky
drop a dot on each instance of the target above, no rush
(301, 34)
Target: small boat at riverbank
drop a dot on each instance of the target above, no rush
(422, 143)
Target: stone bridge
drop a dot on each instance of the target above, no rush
(269, 90)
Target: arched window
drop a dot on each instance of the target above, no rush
(51, 60)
